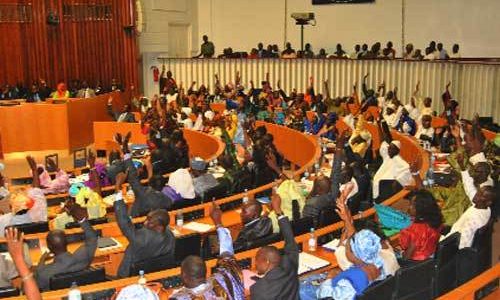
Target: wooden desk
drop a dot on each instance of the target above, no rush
(43, 126)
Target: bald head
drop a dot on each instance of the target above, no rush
(267, 258)
(157, 220)
(56, 241)
(193, 271)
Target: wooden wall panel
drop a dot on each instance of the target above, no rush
(87, 49)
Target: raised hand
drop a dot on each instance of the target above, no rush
(110, 100)
(31, 162)
(448, 85)
(276, 203)
(126, 140)
(76, 211)
(417, 87)
(15, 239)
(278, 84)
(51, 164)
(461, 161)
(120, 180)
(366, 76)
(91, 158)
(216, 214)
(415, 165)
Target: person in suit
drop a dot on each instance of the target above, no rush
(85, 91)
(44, 89)
(64, 261)
(255, 226)
(152, 240)
(279, 273)
(124, 116)
(227, 280)
(34, 94)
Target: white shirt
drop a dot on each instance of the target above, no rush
(171, 98)
(395, 168)
(468, 223)
(430, 56)
(349, 120)
(469, 187)
(425, 131)
(478, 157)
(455, 55)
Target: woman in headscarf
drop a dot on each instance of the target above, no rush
(59, 184)
(61, 91)
(180, 186)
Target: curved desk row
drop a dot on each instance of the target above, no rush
(200, 144)
(306, 145)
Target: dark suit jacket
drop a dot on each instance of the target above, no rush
(143, 243)
(129, 118)
(146, 198)
(252, 231)
(67, 262)
(281, 282)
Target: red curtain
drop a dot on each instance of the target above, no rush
(91, 42)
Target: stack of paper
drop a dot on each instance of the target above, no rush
(309, 262)
(198, 227)
(332, 245)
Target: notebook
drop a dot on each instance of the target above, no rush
(332, 245)
(106, 242)
(198, 227)
(309, 262)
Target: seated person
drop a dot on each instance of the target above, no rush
(406, 124)
(277, 273)
(86, 198)
(393, 167)
(474, 217)
(425, 132)
(318, 199)
(361, 138)
(152, 240)
(124, 116)
(225, 283)
(26, 205)
(180, 186)
(64, 261)
(255, 226)
(202, 180)
(61, 92)
(289, 190)
(419, 241)
(59, 184)
(147, 198)
(368, 268)
(386, 253)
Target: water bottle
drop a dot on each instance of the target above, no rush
(430, 172)
(142, 280)
(312, 241)
(74, 292)
(179, 219)
(317, 169)
(245, 196)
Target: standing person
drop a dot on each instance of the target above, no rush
(279, 273)
(207, 49)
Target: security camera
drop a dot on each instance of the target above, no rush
(303, 17)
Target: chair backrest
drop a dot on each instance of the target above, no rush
(388, 188)
(302, 225)
(187, 245)
(83, 277)
(327, 217)
(446, 264)
(482, 243)
(415, 281)
(154, 264)
(95, 221)
(272, 238)
(8, 291)
(217, 192)
(381, 290)
(36, 227)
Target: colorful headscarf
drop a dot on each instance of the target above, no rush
(365, 245)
